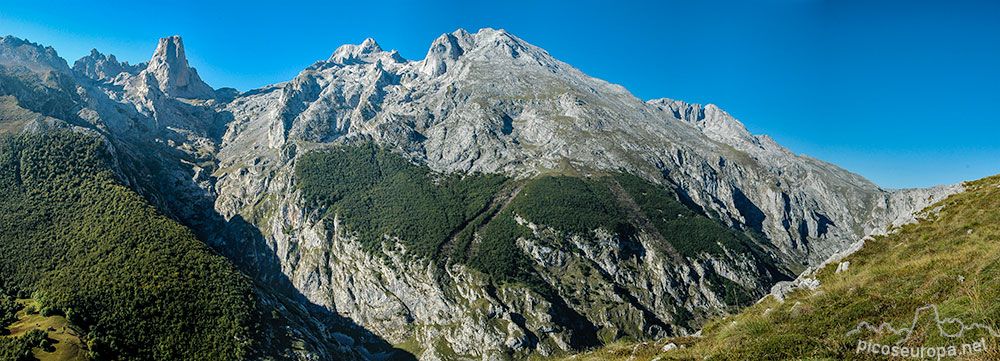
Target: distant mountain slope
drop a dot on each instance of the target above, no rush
(930, 284)
(491, 102)
(534, 234)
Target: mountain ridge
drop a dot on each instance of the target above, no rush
(222, 163)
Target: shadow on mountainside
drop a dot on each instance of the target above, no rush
(178, 184)
(157, 171)
(323, 325)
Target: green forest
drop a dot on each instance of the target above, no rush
(140, 285)
(688, 232)
(378, 193)
(381, 193)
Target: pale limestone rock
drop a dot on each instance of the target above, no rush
(173, 74)
(100, 67)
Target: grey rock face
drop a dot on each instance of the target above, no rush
(444, 52)
(170, 68)
(19, 52)
(99, 67)
(489, 102)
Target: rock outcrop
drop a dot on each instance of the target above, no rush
(173, 74)
(100, 67)
(22, 53)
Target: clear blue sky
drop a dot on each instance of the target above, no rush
(904, 93)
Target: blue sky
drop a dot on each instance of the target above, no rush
(904, 93)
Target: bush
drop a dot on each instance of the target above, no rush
(35, 337)
(46, 345)
(8, 311)
(20, 348)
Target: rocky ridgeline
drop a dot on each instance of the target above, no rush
(222, 163)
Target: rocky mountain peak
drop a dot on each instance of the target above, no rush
(170, 67)
(500, 42)
(710, 119)
(370, 46)
(20, 52)
(486, 45)
(102, 67)
(367, 51)
(170, 50)
(444, 51)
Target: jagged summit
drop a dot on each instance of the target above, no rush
(20, 52)
(170, 67)
(168, 70)
(102, 67)
(487, 44)
(350, 52)
(367, 52)
(444, 51)
(504, 45)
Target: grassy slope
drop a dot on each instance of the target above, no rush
(66, 342)
(950, 259)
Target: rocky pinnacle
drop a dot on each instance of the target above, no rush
(170, 67)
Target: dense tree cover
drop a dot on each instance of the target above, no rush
(381, 193)
(498, 255)
(688, 232)
(20, 348)
(8, 310)
(568, 204)
(692, 234)
(571, 204)
(140, 284)
(378, 192)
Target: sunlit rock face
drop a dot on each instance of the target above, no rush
(170, 68)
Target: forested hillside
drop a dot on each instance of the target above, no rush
(140, 285)
(472, 218)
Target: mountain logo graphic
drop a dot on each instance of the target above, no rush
(943, 325)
